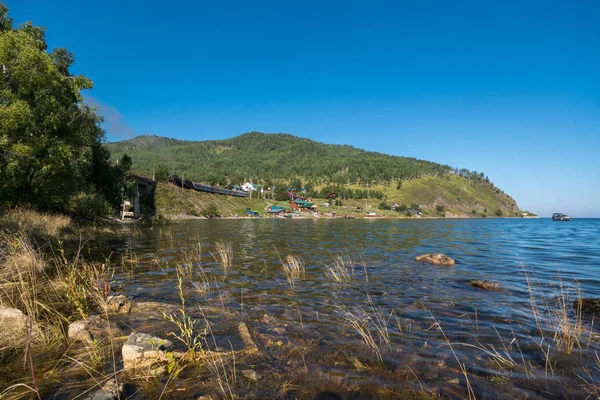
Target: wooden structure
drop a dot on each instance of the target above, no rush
(302, 205)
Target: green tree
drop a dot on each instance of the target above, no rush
(50, 141)
(162, 173)
(384, 206)
(211, 211)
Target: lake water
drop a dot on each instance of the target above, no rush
(507, 340)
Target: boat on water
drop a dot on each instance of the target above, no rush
(560, 217)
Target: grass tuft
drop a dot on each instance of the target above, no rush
(223, 254)
(293, 268)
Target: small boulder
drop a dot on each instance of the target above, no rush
(587, 305)
(485, 285)
(12, 319)
(118, 304)
(142, 350)
(92, 329)
(13, 325)
(437, 259)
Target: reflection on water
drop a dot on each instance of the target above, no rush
(415, 299)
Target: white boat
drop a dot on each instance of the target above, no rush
(560, 217)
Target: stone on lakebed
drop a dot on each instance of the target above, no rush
(92, 329)
(486, 285)
(588, 305)
(142, 349)
(118, 304)
(437, 259)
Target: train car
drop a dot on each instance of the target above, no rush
(200, 187)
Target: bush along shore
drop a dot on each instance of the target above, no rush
(71, 330)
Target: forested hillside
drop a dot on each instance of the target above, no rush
(288, 162)
(263, 157)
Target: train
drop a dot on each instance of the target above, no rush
(177, 181)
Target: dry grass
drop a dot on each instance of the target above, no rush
(371, 327)
(34, 223)
(48, 286)
(555, 319)
(461, 365)
(30, 290)
(341, 269)
(223, 254)
(293, 267)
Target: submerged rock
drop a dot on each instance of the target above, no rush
(142, 349)
(251, 375)
(249, 344)
(437, 259)
(111, 390)
(92, 329)
(588, 305)
(486, 285)
(118, 304)
(154, 307)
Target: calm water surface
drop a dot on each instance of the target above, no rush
(561, 259)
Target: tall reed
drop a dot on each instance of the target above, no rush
(224, 254)
(293, 267)
(371, 327)
(341, 268)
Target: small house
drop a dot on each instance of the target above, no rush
(275, 210)
(249, 187)
(302, 205)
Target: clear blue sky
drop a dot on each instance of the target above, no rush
(510, 88)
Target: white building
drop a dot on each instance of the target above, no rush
(247, 187)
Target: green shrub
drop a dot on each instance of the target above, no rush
(499, 212)
(211, 211)
(90, 206)
(439, 209)
(384, 206)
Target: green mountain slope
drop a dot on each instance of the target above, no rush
(287, 161)
(269, 156)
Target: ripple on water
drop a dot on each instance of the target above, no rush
(419, 303)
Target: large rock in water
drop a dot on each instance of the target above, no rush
(143, 350)
(437, 259)
(587, 306)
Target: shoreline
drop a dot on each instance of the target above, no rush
(184, 217)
